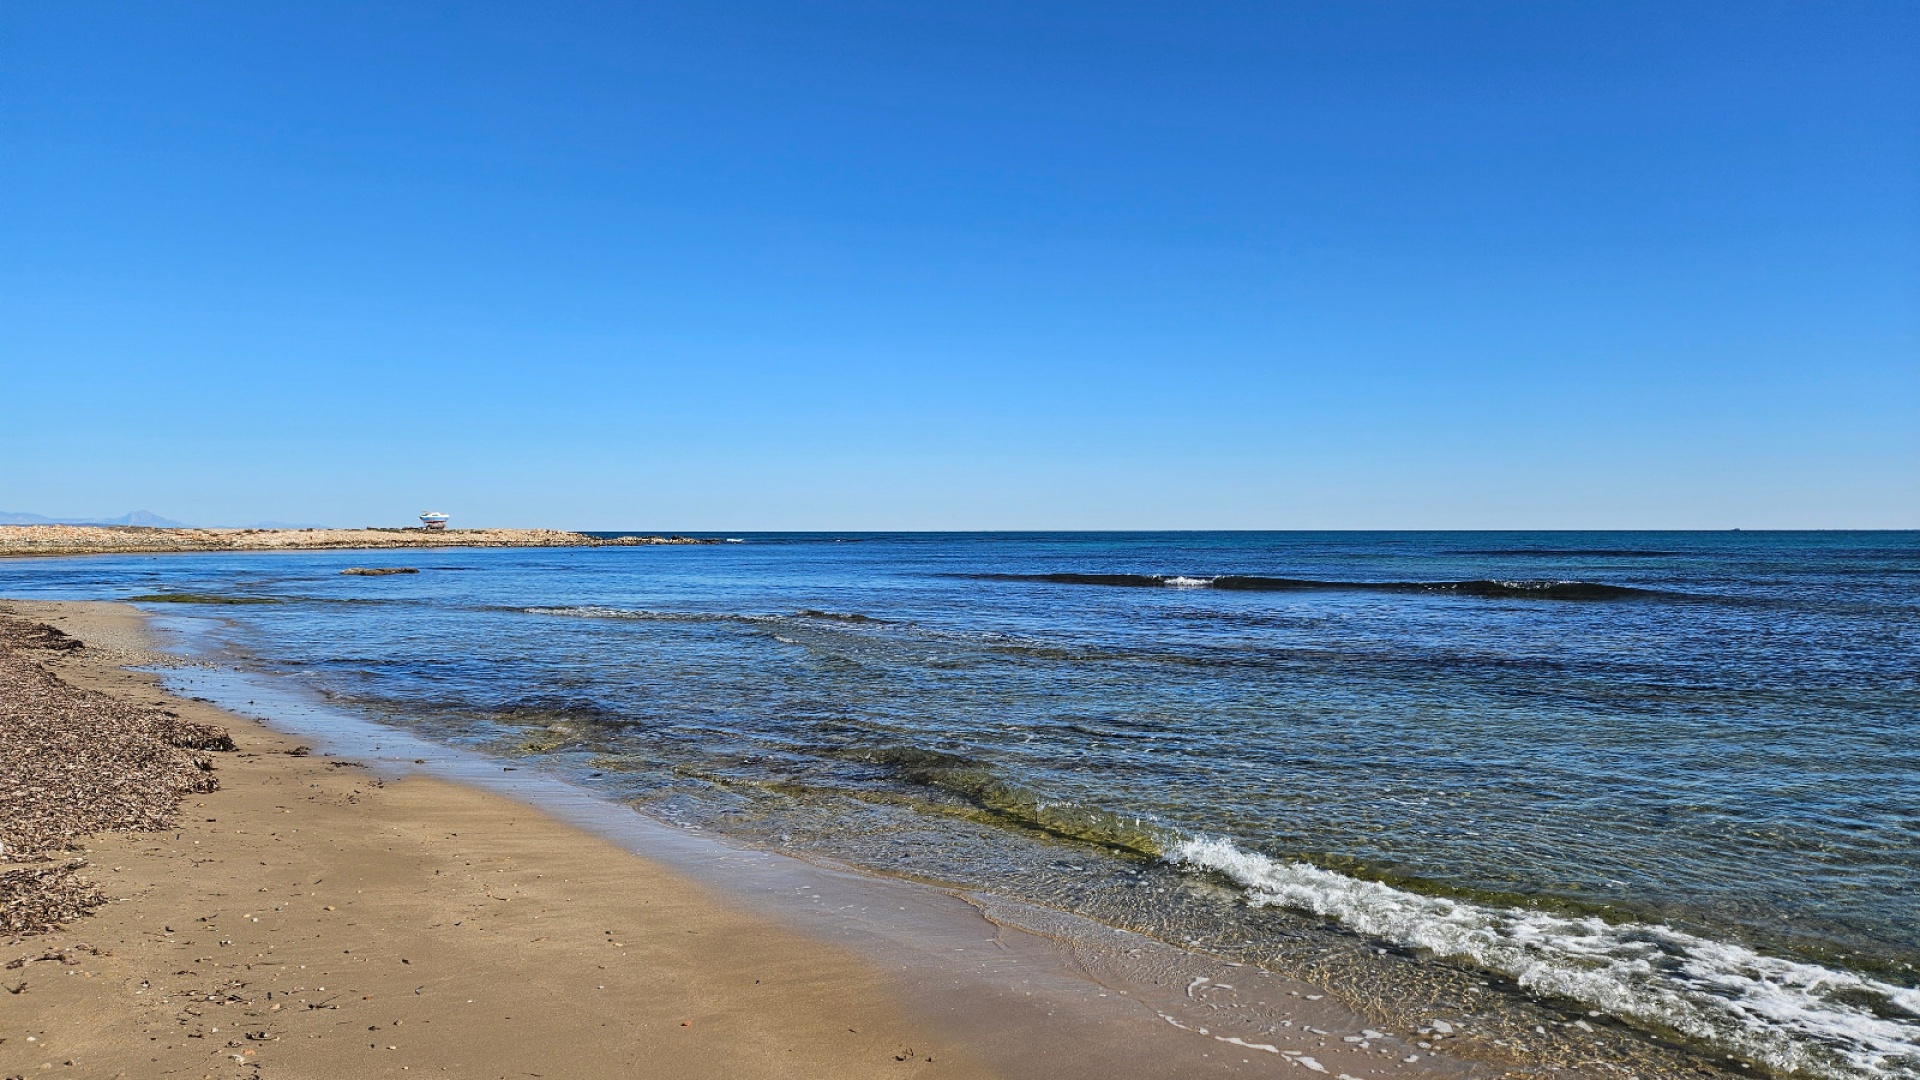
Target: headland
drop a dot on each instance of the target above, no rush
(16, 540)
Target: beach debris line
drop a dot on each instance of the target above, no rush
(74, 762)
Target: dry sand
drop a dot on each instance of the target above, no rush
(310, 919)
(108, 539)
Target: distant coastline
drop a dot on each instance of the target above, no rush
(30, 540)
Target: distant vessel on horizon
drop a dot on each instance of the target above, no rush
(433, 520)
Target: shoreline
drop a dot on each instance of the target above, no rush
(427, 898)
(20, 541)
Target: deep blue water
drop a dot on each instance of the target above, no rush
(1670, 777)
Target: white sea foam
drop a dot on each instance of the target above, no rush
(1187, 582)
(1794, 1016)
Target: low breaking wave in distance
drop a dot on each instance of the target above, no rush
(601, 611)
(1485, 587)
(1791, 1016)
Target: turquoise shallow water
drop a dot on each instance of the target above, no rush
(1669, 780)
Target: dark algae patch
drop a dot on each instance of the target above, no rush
(996, 801)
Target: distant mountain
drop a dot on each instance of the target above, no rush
(145, 518)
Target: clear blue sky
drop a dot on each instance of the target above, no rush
(981, 265)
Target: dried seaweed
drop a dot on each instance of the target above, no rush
(74, 762)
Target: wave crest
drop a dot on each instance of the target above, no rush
(1791, 1016)
(1485, 588)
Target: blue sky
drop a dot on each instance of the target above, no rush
(1102, 265)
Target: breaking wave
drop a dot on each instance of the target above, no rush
(596, 611)
(1488, 588)
(1564, 553)
(599, 611)
(1790, 1016)
(836, 616)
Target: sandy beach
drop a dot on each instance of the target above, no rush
(104, 539)
(313, 917)
(307, 919)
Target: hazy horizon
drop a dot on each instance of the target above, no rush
(8, 518)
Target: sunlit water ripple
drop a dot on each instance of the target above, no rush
(1607, 793)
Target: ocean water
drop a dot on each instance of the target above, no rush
(1646, 800)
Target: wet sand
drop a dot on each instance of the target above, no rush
(321, 916)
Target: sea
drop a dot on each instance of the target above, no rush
(1643, 797)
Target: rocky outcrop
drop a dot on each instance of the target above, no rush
(100, 540)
